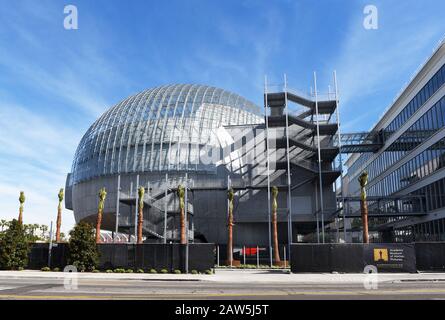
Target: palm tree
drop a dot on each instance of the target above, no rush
(363, 180)
(35, 226)
(44, 229)
(30, 230)
(181, 195)
(230, 196)
(22, 201)
(274, 224)
(59, 215)
(141, 192)
(3, 224)
(102, 196)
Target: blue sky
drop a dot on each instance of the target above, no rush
(54, 82)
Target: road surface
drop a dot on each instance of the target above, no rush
(224, 284)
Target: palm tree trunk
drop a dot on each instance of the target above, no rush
(20, 215)
(98, 224)
(140, 222)
(58, 223)
(183, 235)
(100, 208)
(363, 180)
(275, 238)
(230, 196)
(230, 239)
(364, 209)
(181, 194)
(22, 201)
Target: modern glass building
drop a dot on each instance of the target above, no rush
(158, 129)
(409, 165)
(209, 140)
(164, 130)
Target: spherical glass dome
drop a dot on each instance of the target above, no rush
(157, 129)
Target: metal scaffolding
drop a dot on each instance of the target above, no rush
(165, 208)
(308, 138)
(319, 129)
(269, 213)
(116, 230)
(289, 181)
(337, 110)
(319, 159)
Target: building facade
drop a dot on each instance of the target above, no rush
(209, 140)
(406, 174)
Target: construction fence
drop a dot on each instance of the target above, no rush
(131, 256)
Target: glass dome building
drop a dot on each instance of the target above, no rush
(209, 140)
(157, 131)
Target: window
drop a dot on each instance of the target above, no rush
(442, 110)
(439, 79)
(415, 102)
(422, 97)
(443, 74)
(435, 82)
(412, 107)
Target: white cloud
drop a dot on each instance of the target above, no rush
(242, 52)
(36, 148)
(369, 73)
(35, 155)
(65, 83)
(373, 60)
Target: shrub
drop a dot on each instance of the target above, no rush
(177, 271)
(164, 271)
(95, 271)
(109, 271)
(45, 269)
(129, 271)
(56, 269)
(194, 272)
(208, 271)
(82, 247)
(119, 270)
(14, 247)
(153, 271)
(140, 271)
(20, 268)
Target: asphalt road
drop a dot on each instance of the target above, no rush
(134, 289)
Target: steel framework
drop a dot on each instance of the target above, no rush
(311, 130)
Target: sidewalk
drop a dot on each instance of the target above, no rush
(238, 276)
